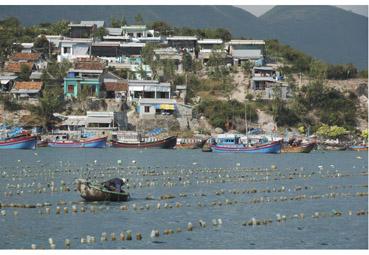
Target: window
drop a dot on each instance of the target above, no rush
(66, 50)
(147, 108)
(70, 89)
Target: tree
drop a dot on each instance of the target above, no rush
(224, 34)
(100, 33)
(55, 72)
(51, 101)
(139, 20)
(59, 28)
(187, 62)
(118, 23)
(25, 72)
(162, 28)
(42, 45)
(364, 134)
(331, 131)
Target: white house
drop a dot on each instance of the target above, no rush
(207, 46)
(150, 107)
(138, 89)
(72, 48)
(137, 31)
(242, 50)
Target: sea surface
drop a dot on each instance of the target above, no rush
(286, 201)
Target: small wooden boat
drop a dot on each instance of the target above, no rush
(359, 147)
(19, 142)
(97, 192)
(190, 143)
(301, 148)
(99, 142)
(166, 143)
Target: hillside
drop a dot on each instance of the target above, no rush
(325, 32)
(333, 34)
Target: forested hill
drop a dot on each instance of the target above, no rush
(328, 33)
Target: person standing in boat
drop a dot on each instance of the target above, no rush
(115, 184)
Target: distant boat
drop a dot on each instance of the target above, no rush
(190, 143)
(233, 143)
(166, 143)
(20, 142)
(301, 148)
(332, 147)
(359, 147)
(94, 142)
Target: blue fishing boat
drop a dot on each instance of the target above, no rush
(20, 142)
(94, 142)
(234, 143)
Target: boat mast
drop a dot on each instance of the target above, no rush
(245, 121)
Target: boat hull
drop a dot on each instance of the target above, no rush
(167, 143)
(298, 149)
(274, 147)
(359, 148)
(196, 145)
(19, 143)
(95, 192)
(91, 143)
(332, 147)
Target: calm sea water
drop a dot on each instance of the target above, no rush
(336, 179)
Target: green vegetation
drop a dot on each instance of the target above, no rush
(51, 101)
(299, 62)
(226, 114)
(331, 131)
(364, 134)
(10, 104)
(55, 72)
(118, 23)
(25, 72)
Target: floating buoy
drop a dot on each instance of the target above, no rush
(189, 226)
(154, 233)
(74, 209)
(220, 222)
(103, 237)
(67, 243)
(83, 240)
(33, 246)
(215, 222)
(133, 161)
(129, 235)
(138, 236)
(65, 210)
(119, 162)
(113, 238)
(202, 223)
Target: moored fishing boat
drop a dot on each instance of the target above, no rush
(96, 192)
(190, 143)
(165, 143)
(359, 147)
(93, 142)
(233, 143)
(332, 147)
(300, 148)
(19, 142)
